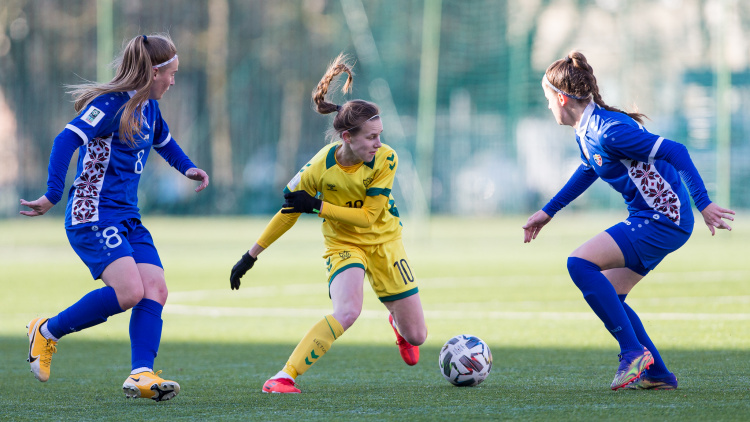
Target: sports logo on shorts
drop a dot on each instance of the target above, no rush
(92, 116)
(345, 255)
(598, 159)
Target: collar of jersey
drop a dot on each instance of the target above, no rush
(331, 160)
(585, 117)
(132, 93)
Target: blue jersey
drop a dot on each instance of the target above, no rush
(628, 157)
(108, 172)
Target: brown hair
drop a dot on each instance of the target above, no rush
(573, 75)
(352, 114)
(134, 73)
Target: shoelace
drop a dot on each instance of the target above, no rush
(50, 347)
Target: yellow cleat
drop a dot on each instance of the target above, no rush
(149, 385)
(40, 350)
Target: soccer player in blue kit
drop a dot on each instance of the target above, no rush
(648, 171)
(118, 124)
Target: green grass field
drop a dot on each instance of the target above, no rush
(553, 360)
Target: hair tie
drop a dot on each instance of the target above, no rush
(145, 39)
(568, 60)
(338, 108)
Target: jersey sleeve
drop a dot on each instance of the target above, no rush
(677, 155)
(99, 119)
(581, 179)
(168, 147)
(64, 146)
(630, 142)
(278, 225)
(359, 217)
(307, 177)
(161, 130)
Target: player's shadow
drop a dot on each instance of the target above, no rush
(87, 376)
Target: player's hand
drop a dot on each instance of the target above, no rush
(239, 269)
(714, 216)
(38, 207)
(534, 225)
(301, 201)
(200, 175)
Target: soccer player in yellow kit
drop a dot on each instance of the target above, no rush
(348, 184)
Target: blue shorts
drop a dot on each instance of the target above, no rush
(101, 243)
(646, 238)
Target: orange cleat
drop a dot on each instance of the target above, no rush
(280, 385)
(409, 353)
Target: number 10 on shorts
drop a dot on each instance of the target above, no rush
(404, 270)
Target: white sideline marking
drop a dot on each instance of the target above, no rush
(213, 311)
(251, 291)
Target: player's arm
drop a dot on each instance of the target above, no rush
(170, 150)
(581, 179)
(92, 122)
(677, 155)
(359, 217)
(278, 225)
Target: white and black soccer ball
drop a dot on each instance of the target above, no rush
(465, 360)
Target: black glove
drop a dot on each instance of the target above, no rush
(301, 201)
(239, 269)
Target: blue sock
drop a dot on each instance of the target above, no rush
(603, 300)
(658, 369)
(145, 333)
(90, 310)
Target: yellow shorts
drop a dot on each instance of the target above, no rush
(385, 264)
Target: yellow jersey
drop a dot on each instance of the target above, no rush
(350, 187)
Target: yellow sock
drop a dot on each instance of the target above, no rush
(313, 345)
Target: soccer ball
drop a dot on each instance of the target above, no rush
(465, 360)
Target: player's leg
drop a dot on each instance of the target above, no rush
(585, 266)
(407, 319)
(393, 280)
(346, 296)
(146, 322)
(107, 253)
(657, 376)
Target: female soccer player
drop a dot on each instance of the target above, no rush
(354, 176)
(117, 125)
(648, 171)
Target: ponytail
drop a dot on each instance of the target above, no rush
(574, 76)
(350, 115)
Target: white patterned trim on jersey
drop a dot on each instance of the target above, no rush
(656, 191)
(88, 185)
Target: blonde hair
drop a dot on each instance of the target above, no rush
(352, 114)
(134, 73)
(573, 75)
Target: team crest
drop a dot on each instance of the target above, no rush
(345, 255)
(367, 181)
(598, 159)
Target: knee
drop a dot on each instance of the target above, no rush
(579, 266)
(347, 317)
(130, 295)
(416, 336)
(157, 291)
